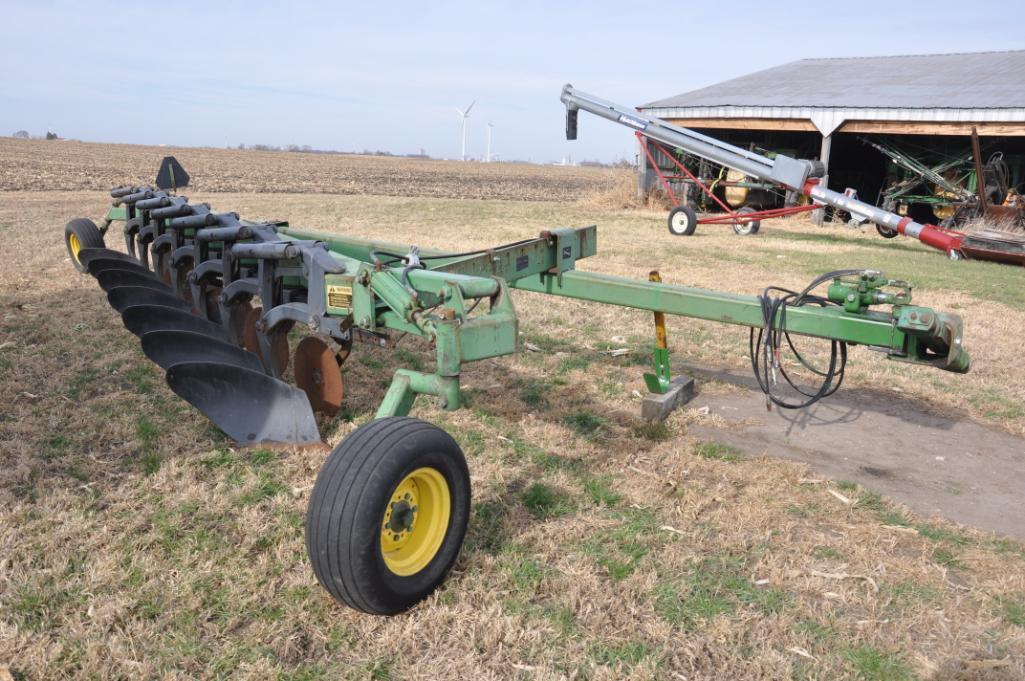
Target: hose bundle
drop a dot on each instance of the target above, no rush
(766, 345)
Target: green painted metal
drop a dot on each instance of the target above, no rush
(436, 301)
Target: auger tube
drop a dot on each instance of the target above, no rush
(794, 174)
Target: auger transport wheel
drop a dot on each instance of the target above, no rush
(748, 227)
(78, 234)
(682, 221)
(388, 514)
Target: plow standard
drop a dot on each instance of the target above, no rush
(213, 297)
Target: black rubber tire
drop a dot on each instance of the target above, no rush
(88, 236)
(348, 503)
(886, 232)
(747, 228)
(682, 221)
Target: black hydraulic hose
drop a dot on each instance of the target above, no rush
(765, 345)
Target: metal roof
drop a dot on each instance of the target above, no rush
(976, 80)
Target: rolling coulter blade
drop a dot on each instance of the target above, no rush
(168, 348)
(123, 297)
(143, 319)
(100, 264)
(111, 278)
(278, 340)
(87, 255)
(250, 406)
(318, 374)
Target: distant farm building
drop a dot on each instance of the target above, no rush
(870, 118)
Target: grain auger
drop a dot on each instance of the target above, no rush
(796, 177)
(213, 296)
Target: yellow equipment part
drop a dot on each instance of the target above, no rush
(415, 521)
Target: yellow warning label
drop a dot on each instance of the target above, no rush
(339, 296)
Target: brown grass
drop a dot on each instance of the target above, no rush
(135, 543)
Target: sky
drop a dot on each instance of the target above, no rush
(390, 75)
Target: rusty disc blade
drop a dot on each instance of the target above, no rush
(318, 374)
(239, 315)
(213, 299)
(278, 340)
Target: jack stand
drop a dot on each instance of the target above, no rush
(665, 393)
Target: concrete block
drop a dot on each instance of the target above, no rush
(657, 407)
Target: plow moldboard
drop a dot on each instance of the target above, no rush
(250, 406)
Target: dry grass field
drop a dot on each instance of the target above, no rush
(137, 543)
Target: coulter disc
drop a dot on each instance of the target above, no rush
(123, 297)
(318, 374)
(143, 319)
(278, 340)
(250, 406)
(112, 278)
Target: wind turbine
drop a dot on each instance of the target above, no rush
(465, 115)
(490, 126)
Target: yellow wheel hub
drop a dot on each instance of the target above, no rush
(415, 521)
(76, 246)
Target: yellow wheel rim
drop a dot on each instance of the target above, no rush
(75, 244)
(415, 521)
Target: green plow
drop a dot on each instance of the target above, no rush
(213, 296)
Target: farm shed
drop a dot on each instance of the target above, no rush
(836, 109)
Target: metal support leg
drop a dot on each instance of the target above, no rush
(658, 382)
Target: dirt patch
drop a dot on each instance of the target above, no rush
(935, 464)
(35, 165)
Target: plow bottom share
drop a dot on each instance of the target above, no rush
(212, 298)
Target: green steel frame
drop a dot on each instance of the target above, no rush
(436, 301)
(376, 299)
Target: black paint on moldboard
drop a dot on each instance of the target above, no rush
(99, 264)
(123, 297)
(114, 277)
(170, 347)
(250, 406)
(87, 255)
(142, 319)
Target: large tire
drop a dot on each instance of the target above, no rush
(388, 514)
(683, 220)
(78, 234)
(746, 228)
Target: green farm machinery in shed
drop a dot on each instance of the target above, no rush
(212, 298)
